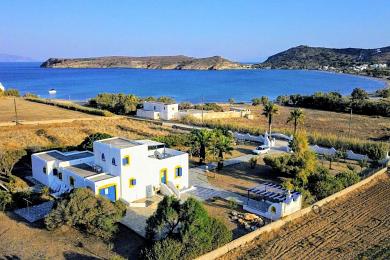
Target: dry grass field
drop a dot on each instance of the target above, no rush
(20, 240)
(31, 111)
(345, 229)
(318, 121)
(73, 133)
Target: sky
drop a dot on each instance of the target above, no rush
(241, 30)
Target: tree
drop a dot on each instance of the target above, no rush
(330, 158)
(231, 101)
(186, 227)
(269, 110)
(199, 140)
(220, 145)
(297, 117)
(256, 101)
(5, 199)
(82, 209)
(264, 100)
(165, 220)
(11, 92)
(87, 144)
(166, 100)
(363, 163)
(359, 94)
(8, 159)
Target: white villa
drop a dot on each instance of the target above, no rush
(118, 168)
(158, 110)
(272, 201)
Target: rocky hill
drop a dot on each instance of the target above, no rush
(179, 62)
(305, 57)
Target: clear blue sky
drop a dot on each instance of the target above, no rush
(242, 30)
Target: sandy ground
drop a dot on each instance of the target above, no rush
(19, 240)
(31, 111)
(345, 229)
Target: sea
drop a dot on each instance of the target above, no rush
(182, 85)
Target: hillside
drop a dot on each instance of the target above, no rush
(305, 57)
(179, 62)
(14, 58)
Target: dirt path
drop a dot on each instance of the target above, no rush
(345, 229)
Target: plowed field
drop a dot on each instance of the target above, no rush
(345, 229)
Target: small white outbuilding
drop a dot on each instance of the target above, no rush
(2, 88)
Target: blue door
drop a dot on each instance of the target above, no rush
(108, 192)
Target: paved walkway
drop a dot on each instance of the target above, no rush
(205, 190)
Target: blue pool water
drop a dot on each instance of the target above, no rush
(242, 85)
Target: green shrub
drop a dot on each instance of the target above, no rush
(71, 106)
(11, 92)
(209, 106)
(87, 144)
(83, 210)
(5, 199)
(183, 231)
(173, 140)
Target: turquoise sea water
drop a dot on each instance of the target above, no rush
(242, 85)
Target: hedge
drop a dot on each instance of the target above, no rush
(71, 106)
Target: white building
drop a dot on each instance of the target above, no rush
(272, 201)
(2, 88)
(118, 168)
(158, 110)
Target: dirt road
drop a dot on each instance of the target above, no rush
(347, 228)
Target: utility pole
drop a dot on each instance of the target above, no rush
(350, 122)
(16, 113)
(202, 108)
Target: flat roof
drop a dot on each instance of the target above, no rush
(56, 155)
(101, 177)
(84, 170)
(120, 142)
(149, 142)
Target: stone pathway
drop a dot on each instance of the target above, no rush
(205, 190)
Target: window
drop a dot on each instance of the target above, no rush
(55, 172)
(113, 161)
(44, 170)
(126, 160)
(178, 172)
(154, 108)
(60, 175)
(71, 181)
(132, 182)
(103, 157)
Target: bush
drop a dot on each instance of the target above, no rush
(173, 140)
(333, 101)
(210, 106)
(87, 144)
(11, 92)
(5, 199)
(71, 106)
(183, 231)
(83, 210)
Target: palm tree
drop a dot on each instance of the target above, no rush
(296, 116)
(199, 140)
(269, 110)
(221, 144)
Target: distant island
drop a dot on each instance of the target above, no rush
(370, 62)
(14, 58)
(179, 62)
